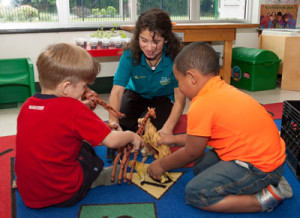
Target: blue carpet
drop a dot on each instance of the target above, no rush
(172, 204)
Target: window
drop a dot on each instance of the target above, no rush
(178, 10)
(101, 10)
(92, 13)
(28, 11)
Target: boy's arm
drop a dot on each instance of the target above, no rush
(194, 148)
(117, 139)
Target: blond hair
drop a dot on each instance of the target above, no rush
(63, 61)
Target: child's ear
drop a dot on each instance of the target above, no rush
(192, 76)
(66, 87)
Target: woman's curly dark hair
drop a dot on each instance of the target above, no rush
(158, 22)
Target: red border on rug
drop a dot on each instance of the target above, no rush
(7, 152)
(275, 110)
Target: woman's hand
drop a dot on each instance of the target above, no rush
(165, 131)
(167, 139)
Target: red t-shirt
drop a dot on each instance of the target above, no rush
(50, 131)
(238, 127)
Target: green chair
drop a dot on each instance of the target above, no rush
(16, 81)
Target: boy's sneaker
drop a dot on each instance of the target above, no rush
(285, 188)
(269, 198)
(105, 177)
(272, 196)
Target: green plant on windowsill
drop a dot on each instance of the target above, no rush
(107, 34)
(122, 34)
(113, 30)
(99, 33)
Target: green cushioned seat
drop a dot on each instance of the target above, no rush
(16, 81)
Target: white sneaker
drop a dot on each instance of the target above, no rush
(269, 198)
(285, 187)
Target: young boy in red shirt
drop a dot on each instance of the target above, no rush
(55, 161)
(243, 170)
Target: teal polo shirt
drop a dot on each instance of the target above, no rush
(142, 80)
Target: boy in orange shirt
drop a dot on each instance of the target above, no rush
(243, 171)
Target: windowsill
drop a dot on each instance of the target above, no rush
(54, 27)
(51, 30)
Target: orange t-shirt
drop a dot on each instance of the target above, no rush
(238, 127)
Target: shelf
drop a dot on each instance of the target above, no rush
(100, 52)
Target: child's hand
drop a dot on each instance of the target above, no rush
(87, 102)
(114, 126)
(155, 169)
(137, 142)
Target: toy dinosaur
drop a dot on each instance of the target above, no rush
(141, 169)
(126, 152)
(95, 99)
(150, 137)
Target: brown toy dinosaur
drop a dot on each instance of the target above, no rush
(95, 99)
(126, 152)
(150, 137)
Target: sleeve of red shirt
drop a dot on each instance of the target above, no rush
(90, 127)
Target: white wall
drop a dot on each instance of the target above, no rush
(31, 44)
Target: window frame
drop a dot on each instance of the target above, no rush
(65, 25)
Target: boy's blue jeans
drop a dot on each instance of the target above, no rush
(215, 179)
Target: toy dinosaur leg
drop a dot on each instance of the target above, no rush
(144, 159)
(133, 165)
(126, 155)
(171, 177)
(125, 171)
(122, 166)
(115, 165)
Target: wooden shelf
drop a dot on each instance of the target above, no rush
(287, 48)
(100, 52)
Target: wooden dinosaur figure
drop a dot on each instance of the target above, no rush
(150, 137)
(141, 169)
(126, 152)
(95, 100)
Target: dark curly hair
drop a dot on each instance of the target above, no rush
(158, 22)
